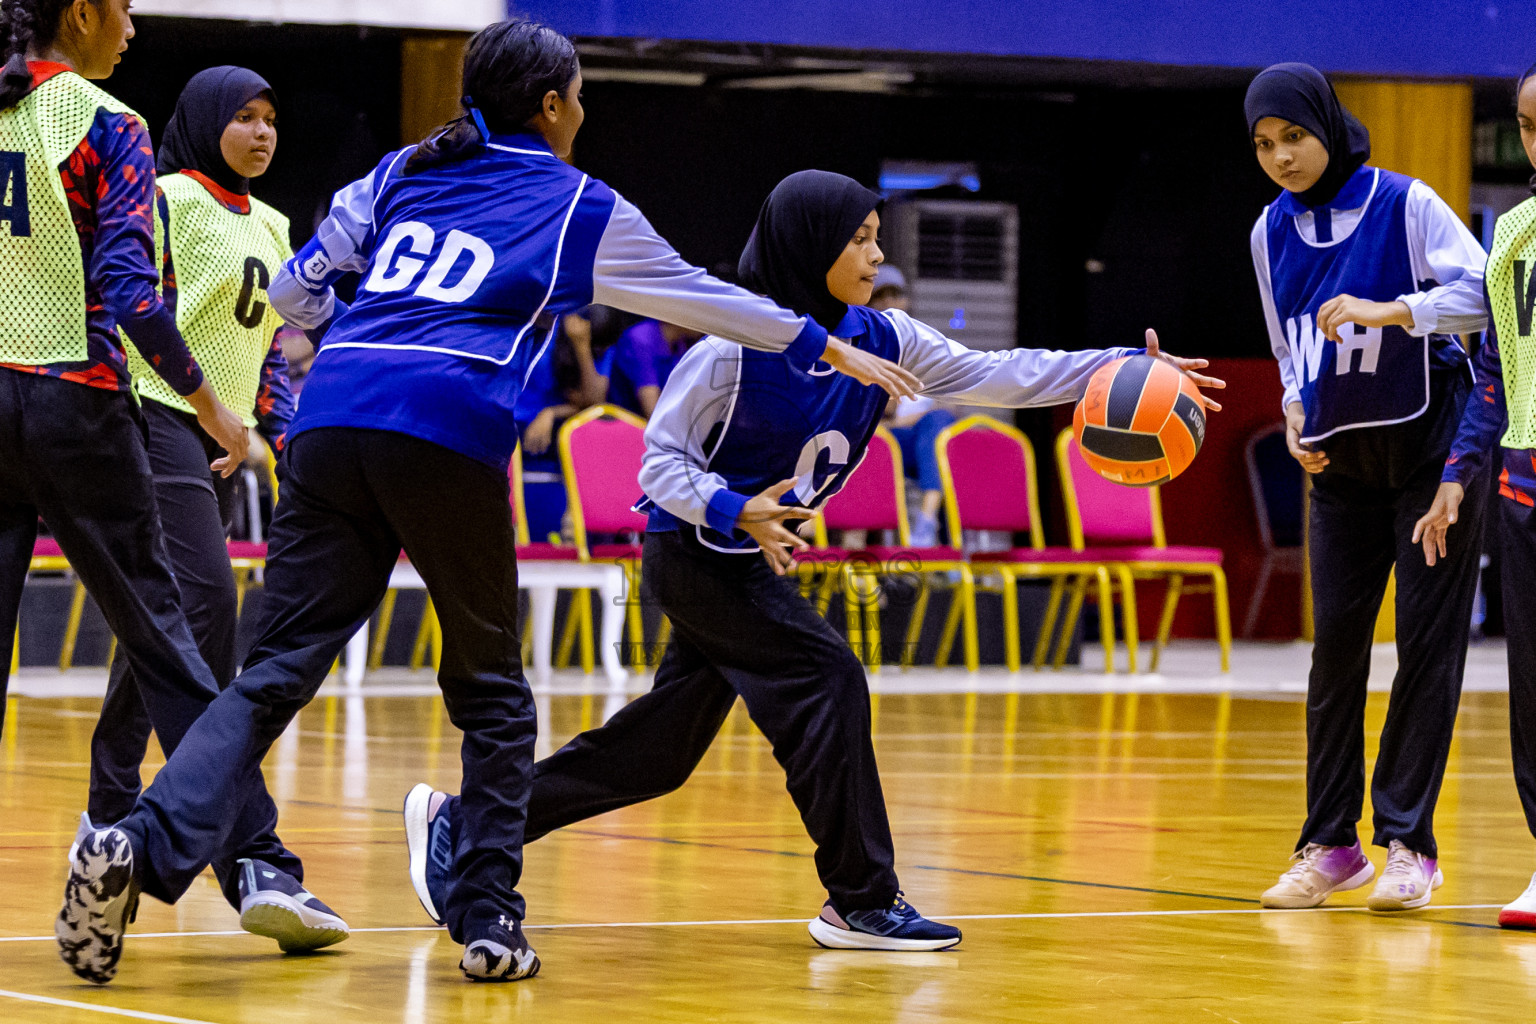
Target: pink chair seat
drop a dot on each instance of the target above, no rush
(1173, 553)
(246, 549)
(616, 552)
(894, 553)
(1040, 555)
(46, 547)
(546, 552)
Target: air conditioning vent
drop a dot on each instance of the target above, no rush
(959, 248)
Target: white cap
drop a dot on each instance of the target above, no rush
(890, 276)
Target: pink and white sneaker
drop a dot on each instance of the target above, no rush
(1522, 912)
(1407, 882)
(1318, 872)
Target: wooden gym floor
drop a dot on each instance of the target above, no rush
(1103, 852)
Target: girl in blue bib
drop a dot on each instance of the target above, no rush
(1366, 276)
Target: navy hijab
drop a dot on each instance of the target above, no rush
(805, 224)
(1299, 94)
(209, 102)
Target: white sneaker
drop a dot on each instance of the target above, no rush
(1407, 881)
(1318, 872)
(1522, 912)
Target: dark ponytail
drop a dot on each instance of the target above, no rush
(509, 67)
(25, 24)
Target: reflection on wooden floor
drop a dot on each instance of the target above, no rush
(1103, 853)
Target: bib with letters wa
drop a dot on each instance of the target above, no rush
(42, 303)
(1511, 285)
(1376, 375)
(224, 262)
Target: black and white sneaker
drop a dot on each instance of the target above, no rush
(498, 952)
(101, 898)
(274, 904)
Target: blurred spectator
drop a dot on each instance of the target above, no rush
(915, 422)
(643, 359)
(569, 375)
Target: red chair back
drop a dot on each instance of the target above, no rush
(601, 450)
(874, 498)
(988, 470)
(1102, 513)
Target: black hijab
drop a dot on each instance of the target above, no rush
(803, 227)
(206, 106)
(1299, 94)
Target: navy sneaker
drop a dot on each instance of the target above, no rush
(274, 904)
(498, 952)
(430, 832)
(896, 927)
(100, 900)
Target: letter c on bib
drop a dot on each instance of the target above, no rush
(837, 448)
(392, 272)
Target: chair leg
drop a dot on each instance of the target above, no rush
(915, 626)
(242, 584)
(968, 597)
(1256, 602)
(381, 635)
(663, 635)
(588, 624)
(824, 591)
(1223, 616)
(111, 649)
(1048, 624)
(1069, 623)
(1107, 620)
(437, 643)
(423, 636)
(632, 615)
(871, 600)
(72, 627)
(1165, 624)
(1130, 619)
(951, 626)
(1010, 620)
(853, 610)
(16, 650)
(568, 633)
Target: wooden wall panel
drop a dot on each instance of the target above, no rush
(431, 69)
(1419, 128)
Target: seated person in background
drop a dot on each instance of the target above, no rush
(643, 359)
(915, 423)
(567, 377)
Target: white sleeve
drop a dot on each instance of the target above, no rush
(1258, 242)
(674, 473)
(1442, 250)
(302, 291)
(1016, 379)
(637, 271)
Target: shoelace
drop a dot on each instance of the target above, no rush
(1306, 860)
(1401, 862)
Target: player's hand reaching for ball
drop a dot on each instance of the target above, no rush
(763, 518)
(1187, 366)
(1311, 460)
(868, 368)
(1431, 528)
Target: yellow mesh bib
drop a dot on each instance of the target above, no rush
(223, 263)
(42, 272)
(1511, 284)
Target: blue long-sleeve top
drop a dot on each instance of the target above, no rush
(466, 269)
(1483, 422)
(109, 183)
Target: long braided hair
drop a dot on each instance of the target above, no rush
(24, 24)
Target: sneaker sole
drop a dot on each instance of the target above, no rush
(417, 829)
(829, 936)
(1355, 881)
(1521, 919)
(90, 936)
(1389, 904)
(295, 927)
(523, 972)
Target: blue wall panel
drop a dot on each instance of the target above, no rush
(1409, 37)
